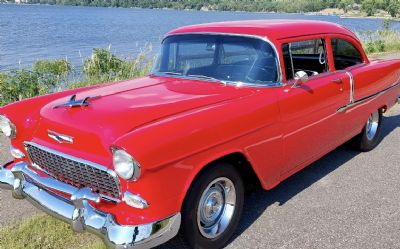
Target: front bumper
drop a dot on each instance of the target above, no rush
(76, 210)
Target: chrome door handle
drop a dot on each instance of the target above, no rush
(337, 81)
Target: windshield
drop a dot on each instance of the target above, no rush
(219, 57)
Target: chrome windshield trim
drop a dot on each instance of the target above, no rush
(279, 82)
(112, 173)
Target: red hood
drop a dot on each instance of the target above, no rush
(124, 106)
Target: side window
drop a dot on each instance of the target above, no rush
(308, 56)
(345, 54)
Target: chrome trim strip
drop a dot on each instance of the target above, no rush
(263, 38)
(357, 102)
(82, 216)
(66, 156)
(351, 86)
(291, 60)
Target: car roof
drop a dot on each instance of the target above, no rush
(273, 29)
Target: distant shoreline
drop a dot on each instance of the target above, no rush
(325, 12)
(352, 14)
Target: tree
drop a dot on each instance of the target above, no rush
(393, 7)
(369, 7)
(346, 5)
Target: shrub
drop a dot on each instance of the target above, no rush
(45, 77)
(48, 76)
(104, 66)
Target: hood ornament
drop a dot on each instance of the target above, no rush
(62, 139)
(73, 102)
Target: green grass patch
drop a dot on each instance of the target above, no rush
(45, 232)
(381, 41)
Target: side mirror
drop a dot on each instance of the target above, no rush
(300, 78)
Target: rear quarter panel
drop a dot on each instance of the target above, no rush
(374, 77)
(370, 79)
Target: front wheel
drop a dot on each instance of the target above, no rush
(369, 138)
(213, 207)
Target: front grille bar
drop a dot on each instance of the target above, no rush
(74, 171)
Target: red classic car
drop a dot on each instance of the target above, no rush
(227, 105)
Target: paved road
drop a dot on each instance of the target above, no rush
(345, 200)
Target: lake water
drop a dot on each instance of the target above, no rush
(32, 32)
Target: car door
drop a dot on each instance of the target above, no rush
(368, 79)
(310, 120)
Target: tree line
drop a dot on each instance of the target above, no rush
(368, 6)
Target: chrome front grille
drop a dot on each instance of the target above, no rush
(74, 171)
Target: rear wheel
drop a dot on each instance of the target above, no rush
(213, 207)
(369, 138)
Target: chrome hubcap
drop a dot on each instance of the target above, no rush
(216, 207)
(372, 125)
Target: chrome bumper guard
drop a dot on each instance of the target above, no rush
(27, 184)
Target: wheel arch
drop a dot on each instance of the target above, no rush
(241, 163)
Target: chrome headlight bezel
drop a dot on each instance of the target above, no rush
(7, 127)
(125, 165)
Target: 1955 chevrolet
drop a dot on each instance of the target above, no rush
(227, 106)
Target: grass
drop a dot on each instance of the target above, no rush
(381, 41)
(44, 232)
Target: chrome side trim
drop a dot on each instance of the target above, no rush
(351, 86)
(263, 38)
(66, 156)
(360, 101)
(82, 216)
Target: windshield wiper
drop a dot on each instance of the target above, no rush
(207, 78)
(200, 76)
(172, 73)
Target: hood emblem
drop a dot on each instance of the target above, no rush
(62, 139)
(73, 102)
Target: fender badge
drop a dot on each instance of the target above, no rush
(62, 139)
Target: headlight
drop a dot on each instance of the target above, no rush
(7, 127)
(125, 165)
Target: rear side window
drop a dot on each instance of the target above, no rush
(345, 54)
(308, 56)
